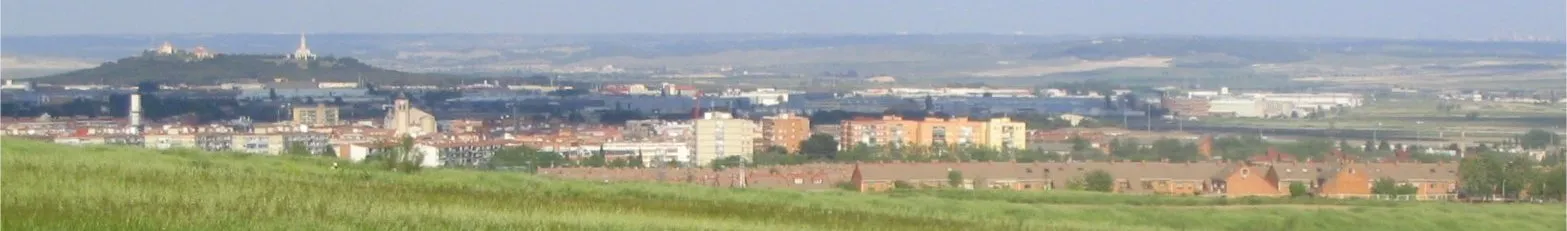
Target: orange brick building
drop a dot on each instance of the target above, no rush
(786, 130)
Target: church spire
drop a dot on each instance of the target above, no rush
(303, 53)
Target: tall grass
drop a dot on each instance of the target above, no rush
(52, 187)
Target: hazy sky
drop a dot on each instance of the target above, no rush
(1359, 18)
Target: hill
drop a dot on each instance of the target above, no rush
(53, 187)
(227, 68)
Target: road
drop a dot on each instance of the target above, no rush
(1346, 134)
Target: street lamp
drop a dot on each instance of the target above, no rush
(1374, 132)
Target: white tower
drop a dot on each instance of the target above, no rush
(303, 53)
(135, 112)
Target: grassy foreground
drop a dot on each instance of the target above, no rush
(53, 187)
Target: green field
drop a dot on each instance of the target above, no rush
(52, 187)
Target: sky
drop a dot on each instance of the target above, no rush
(1448, 19)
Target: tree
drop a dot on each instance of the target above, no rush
(597, 159)
(523, 158)
(1298, 190)
(1472, 116)
(954, 178)
(819, 146)
(329, 151)
(1388, 186)
(726, 163)
(1537, 139)
(1099, 181)
(1383, 146)
(636, 161)
(1370, 146)
(1552, 184)
(403, 158)
(619, 163)
(1078, 144)
(297, 149)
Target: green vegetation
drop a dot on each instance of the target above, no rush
(1536, 139)
(224, 68)
(1298, 190)
(53, 187)
(1389, 186)
(1496, 174)
(1099, 181)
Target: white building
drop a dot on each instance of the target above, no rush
(303, 52)
(1313, 100)
(762, 96)
(720, 135)
(652, 151)
(1238, 107)
(14, 85)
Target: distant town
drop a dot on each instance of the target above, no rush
(876, 139)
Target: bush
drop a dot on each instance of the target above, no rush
(848, 186)
(1099, 181)
(1298, 190)
(954, 178)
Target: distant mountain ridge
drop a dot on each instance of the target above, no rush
(223, 68)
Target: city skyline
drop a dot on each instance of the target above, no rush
(1386, 19)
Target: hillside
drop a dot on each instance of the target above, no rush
(53, 187)
(228, 68)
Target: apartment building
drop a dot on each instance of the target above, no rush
(214, 142)
(167, 141)
(270, 144)
(998, 133)
(786, 130)
(458, 153)
(314, 142)
(719, 135)
(316, 115)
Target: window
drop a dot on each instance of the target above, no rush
(1028, 170)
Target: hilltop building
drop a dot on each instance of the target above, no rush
(166, 49)
(201, 53)
(303, 52)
